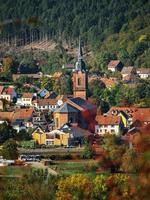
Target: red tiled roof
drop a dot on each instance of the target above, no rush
(142, 114)
(113, 63)
(108, 120)
(108, 82)
(23, 113)
(124, 108)
(9, 90)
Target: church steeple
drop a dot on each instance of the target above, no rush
(80, 76)
(80, 64)
(80, 53)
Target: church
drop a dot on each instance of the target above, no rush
(77, 110)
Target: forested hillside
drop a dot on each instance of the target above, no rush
(118, 28)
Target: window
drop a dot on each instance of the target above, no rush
(56, 122)
(79, 81)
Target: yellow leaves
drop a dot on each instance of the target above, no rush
(74, 187)
(142, 38)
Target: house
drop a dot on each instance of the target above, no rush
(128, 74)
(143, 73)
(27, 98)
(39, 135)
(43, 92)
(45, 137)
(131, 114)
(38, 119)
(141, 117)
(45, 104)
(65, 114)
(115, 65)
(50, 95)
(65, 136)
(19, 117)
(108, 124)
(8, 93)
(1, 105)
(109, 82)
(77, 135)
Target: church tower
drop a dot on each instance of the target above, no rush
(80, 76)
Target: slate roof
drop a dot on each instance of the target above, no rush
(75, 131)
(66, 108)
(82, 103)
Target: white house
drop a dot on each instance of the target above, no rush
(108, 124)
(26, 99)
(115, 65)
(143, 73)
(45, 104)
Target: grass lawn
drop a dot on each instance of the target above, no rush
(72, 167)
(14, 170)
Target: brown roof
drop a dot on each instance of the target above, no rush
(108, 82)
(23, 113)
(6, 116)
(42, 102)
(113, 63)
(50, 136)
(108, 120)
(143, 70)
(18, 114)
(27, 95)
(127, 70)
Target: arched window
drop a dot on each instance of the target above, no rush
(79, 81)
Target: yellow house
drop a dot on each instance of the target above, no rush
(55, 137)
(39, 136)
(61, 139)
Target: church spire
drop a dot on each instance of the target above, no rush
(80, 64)
(80, 53)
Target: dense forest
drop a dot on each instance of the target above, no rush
(120, 29)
